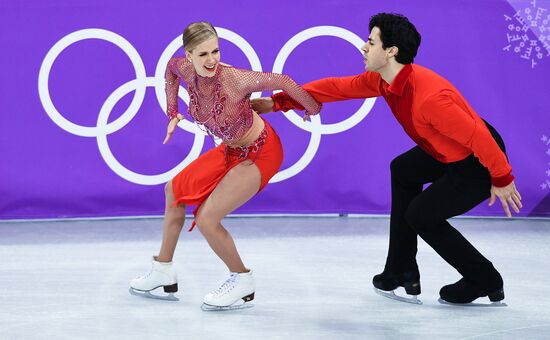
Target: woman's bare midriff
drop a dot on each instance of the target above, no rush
(252, 134)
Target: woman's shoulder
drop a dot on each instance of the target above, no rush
(181, 66)
(178, 61)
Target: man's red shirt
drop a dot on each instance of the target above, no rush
(430, 109)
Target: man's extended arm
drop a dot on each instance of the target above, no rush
(364, 85)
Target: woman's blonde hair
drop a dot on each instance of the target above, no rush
(197, 33)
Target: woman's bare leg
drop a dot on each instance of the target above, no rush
(239, 185)
(173, 223)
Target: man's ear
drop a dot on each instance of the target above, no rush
(393, 51)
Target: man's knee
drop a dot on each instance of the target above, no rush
(420, 218)
(398, 165)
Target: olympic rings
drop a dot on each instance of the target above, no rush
(103, 128)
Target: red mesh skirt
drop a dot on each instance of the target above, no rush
(195, 182)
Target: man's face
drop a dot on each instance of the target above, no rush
(206, 57)
(374, 55)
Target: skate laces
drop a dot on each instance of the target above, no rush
(228, 285)
(150, 273)
(144, 277)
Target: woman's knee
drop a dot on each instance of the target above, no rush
(206, 223)
(169, 189)
(169, 194)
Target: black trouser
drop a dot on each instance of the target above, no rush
(456, 188)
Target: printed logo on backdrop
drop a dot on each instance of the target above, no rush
(545, 185)
(138, 85)
(542, 208)
(528, 33)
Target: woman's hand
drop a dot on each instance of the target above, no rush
(172, 127)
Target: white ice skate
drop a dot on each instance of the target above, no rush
(235, 293)
(391, 295)
(162, 274)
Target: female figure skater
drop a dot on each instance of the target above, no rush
(224, 178)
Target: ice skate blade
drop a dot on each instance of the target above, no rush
(209, 308)
(473, 304)
(391, 295)
(148, 295)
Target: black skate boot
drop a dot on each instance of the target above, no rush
(464, 292)
(385, 283)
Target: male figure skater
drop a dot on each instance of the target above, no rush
(461, 155)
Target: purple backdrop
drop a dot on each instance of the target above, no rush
(495, 52)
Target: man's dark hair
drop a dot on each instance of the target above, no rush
(396, 30)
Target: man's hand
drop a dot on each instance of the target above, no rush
(262, 105)
(172, 127)
(265, 105)
(508, 195)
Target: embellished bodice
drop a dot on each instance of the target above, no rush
(221, 104)
(208, 106)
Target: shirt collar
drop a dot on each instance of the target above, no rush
(398, 83)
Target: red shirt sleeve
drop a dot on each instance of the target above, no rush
(364, 85)
(445, 113)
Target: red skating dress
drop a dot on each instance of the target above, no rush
(220, 105)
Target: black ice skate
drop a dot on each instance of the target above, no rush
(464, 293)
(386, 283)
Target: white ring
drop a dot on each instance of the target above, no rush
(103, 128)
(299, 38)
(306, 158)
(175, 45)
(108, 156)
(159, 89)
(315, 127)
(51, 56)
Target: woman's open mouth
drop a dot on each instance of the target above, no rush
(211, 68)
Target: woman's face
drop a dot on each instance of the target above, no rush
(205, 57)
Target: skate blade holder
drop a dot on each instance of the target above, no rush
(474, 304)
(148, 295)
(243, 303)
(391, 295)
(236, 306)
